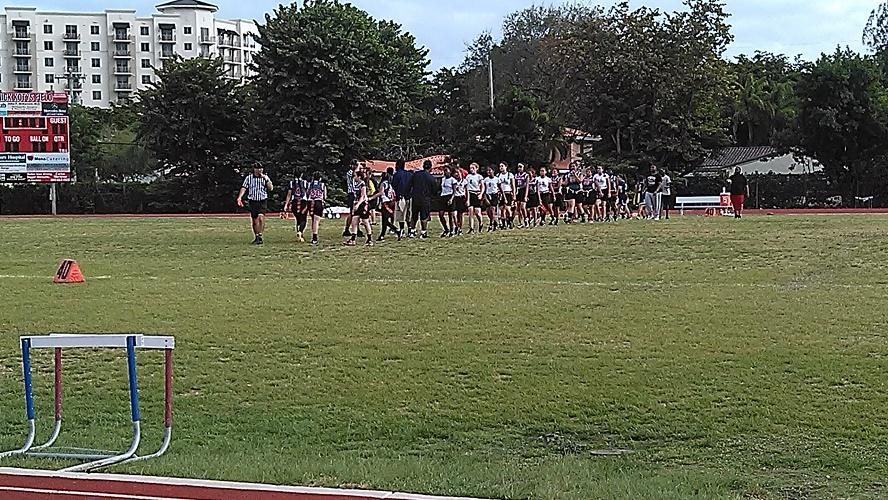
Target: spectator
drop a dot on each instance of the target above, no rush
(402, 182)
(424, 187)
(739, 192)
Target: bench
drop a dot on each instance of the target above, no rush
(719, 202)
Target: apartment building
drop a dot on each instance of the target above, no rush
(102, 58)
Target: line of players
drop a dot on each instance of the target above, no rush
(529, 198)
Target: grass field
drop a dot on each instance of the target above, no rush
(735, 359)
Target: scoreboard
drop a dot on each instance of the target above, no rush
(34, 137)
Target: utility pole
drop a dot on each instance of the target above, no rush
(490, 73)
(73, 83)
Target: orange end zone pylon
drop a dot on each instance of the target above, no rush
(69, 272)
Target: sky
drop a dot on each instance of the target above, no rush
(806, 27)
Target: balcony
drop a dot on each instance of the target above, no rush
(71, 37)
(23, 85)
(123, 70)
(122, 37)
(22, 52)
(73, 70)
(166, 55)
(74, 86)
(22, 68)
(166, 37)
(207, 40)
(123, 87)
(71, 53)
(122, 53)
(21, 35)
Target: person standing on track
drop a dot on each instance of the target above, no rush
(573, 188)
(386, 195)
(256, 186)
(297, 202)
(507, 187)
(491, 198)
(459, 205)
(402, 182)
(602, 194)
(652, 186)
(474, 188)
(522, 179)
(360, 210)
(445, 213)
(544, 188)
(317, 196)
(666, 194)
(739, 192)
(424, 187)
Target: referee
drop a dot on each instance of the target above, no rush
(256, 186)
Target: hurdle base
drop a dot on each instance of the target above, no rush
(29, 442)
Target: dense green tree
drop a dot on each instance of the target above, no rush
(192, 121)
(333, 83)
(85, 132)
(843, 117)
(761, 98)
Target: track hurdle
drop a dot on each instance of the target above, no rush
(95, 459)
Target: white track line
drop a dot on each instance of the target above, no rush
(437, 281)
(81, 494)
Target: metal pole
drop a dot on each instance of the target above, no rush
(52, 197)
(490, 74)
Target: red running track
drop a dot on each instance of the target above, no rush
(21, 484)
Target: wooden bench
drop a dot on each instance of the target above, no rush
(719, 202)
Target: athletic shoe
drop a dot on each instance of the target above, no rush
(301, 238)
(400, 235)
(380, 239)
(314, 242)
(255, 241)
(346, 233)
(471, 231)
(349, 243)
(369, 243)
(424, 236)
(445, 234)
(259, 240)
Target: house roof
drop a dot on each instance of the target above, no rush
(731, 157)
(188, 3)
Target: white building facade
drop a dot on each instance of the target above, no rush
(102, 58)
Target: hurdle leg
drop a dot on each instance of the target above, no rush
(58, 402)
(167, 410)
(29, 401)
(134, 408)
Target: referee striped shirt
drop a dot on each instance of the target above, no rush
(255, 187)
(350, 181)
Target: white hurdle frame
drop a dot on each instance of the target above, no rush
(131, 342)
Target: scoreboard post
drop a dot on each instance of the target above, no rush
(35, 139)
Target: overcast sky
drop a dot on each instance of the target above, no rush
(806, 27)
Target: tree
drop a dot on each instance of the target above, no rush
(86, 152)
(843, 118)
(192, 119)
(333, 83)
(875, 34)
(762, 98)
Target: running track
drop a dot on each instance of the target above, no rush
(21, 484)
(789, 211)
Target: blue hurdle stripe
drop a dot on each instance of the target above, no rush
(133, 384)
(26, 368)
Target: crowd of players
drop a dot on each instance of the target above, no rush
(520, 199)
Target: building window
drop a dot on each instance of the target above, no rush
(146, 79)
(50, 78)
(146, 47)
(186, 30)
(146, 63)
(96, 63)
(94, 46)
(143, 31)
(97, 95)
(47, 29)
(94, 30)
(97, 78)
(187, 46)
(47, 45)
(48, 62)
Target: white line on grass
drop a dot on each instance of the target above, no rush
(438, 281)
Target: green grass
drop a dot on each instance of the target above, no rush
(735, 359)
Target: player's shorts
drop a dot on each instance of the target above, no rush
(402, 210)
(420, 210)
(522, 195)
(361, 211)
(474, 200)
(299, 206)
(317, 208)
(258, 208)
(546, 199)
(350, 201)
(446, 204)
(582, 197)
(459, 204)
(374, 204)
(491, 200)
(623, 198)
(506, 199)
(533, 200)
(559, 200)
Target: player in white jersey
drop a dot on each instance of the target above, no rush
(445, 214)
(491, 198)
(544, 186)
(474, 190)
(602, 193)
(508, 186)
(459, 203)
